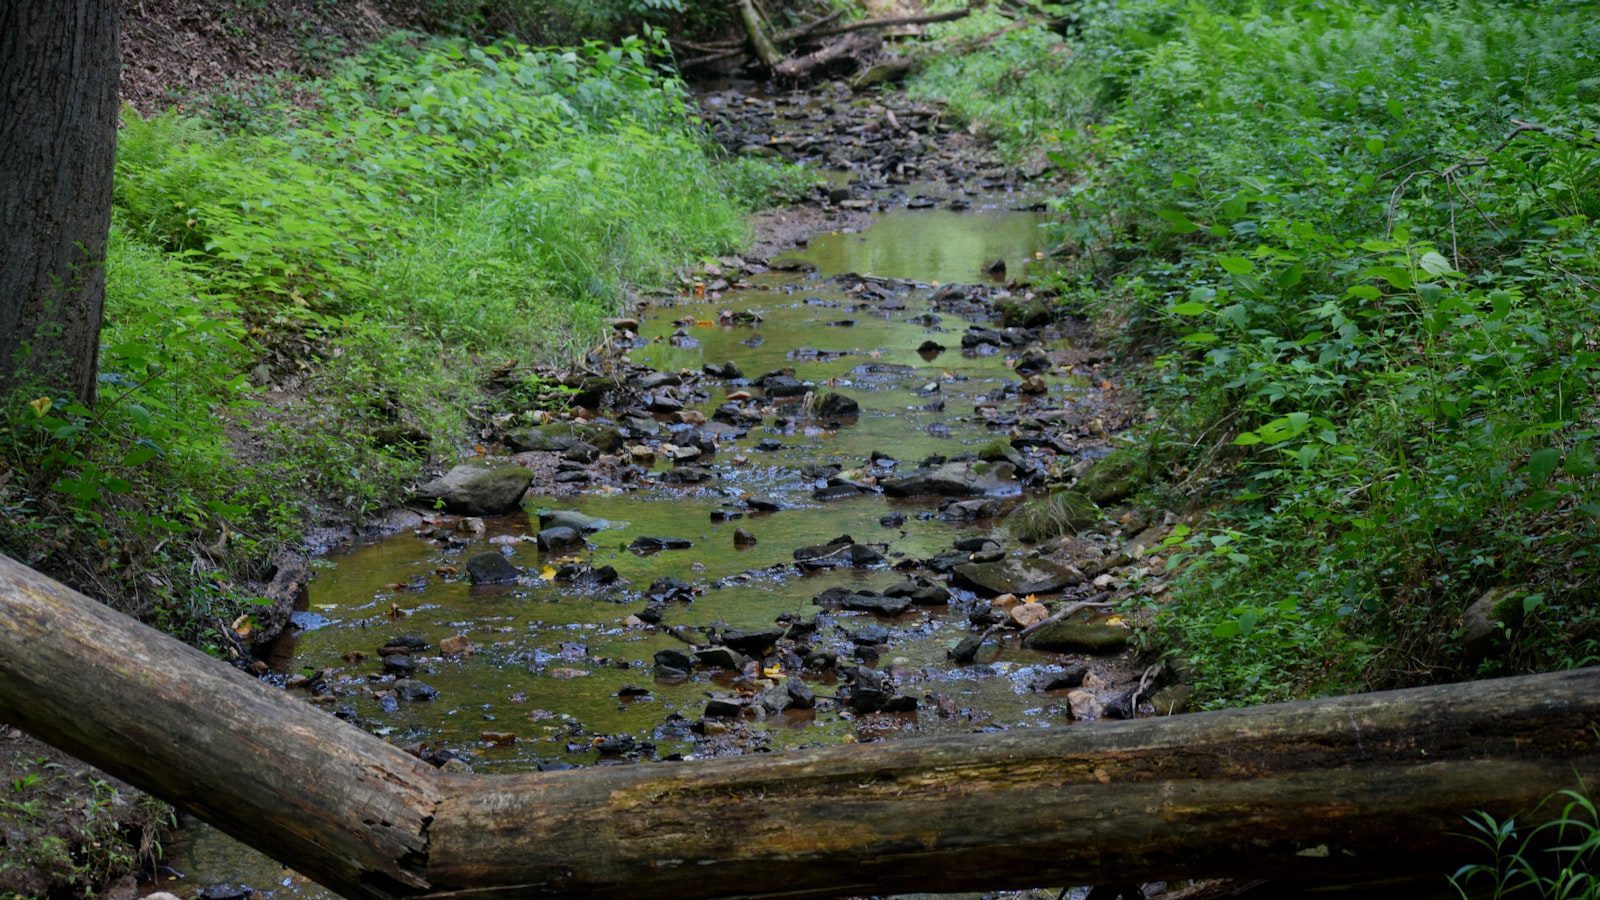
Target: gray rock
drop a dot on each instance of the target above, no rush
(644, 544)
(1016, 576)
(752, 642)
(557, 538)
(840, 552)
(833, 405)
(577, 521)
(719, 658)
(800, 694)
(1487, 622)
(491, 568)
(1079, 637)
(956, 479)
(475, 490)
(415, 691)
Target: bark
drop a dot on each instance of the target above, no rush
(1327, 789)
(58, 75)
(893, 22)
(853, 48)
(759, 42)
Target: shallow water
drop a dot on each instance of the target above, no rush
(560, 669)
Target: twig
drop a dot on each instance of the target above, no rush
(1069, 610)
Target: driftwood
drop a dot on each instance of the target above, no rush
(853, 48)
(759, 42)
(1325, 789)
(765, 48)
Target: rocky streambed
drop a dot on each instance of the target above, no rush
(854, 486)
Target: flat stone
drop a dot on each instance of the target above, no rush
(1079, 637)
(558, 538)
(577, 521)
(475, 490)
(956, 479)
(1016, 576)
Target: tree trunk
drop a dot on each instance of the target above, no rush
(58, 122)
(759, 42)
(1323, 789)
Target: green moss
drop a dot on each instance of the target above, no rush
(1060, 513)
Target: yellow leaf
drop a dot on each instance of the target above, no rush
(40, 406)
(1116, 620)
(773, 671)
(548, 573)
(1031, 598)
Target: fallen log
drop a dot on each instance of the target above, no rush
(891, 22)
(1324, 789)
(760, 44)
(853, 48)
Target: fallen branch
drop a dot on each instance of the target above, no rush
(892, 22)
(801, 67)
(759, 42)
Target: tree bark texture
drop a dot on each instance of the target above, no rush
(1325, 789)
(759, 42)
(58, 122)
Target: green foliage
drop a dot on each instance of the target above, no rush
(1361, 238)
(1554, 860)
(303, 303)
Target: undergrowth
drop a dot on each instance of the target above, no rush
(306, 301)
(1359, 242)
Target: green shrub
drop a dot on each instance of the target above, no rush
(1360, 240)
(438, 209)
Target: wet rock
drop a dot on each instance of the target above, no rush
(455, 645)
(1032, 362)
(557, 437)
(580, 452)
(840, 489)
(1079, 637)
(687, 475)
(399, 664)
(1033, 386)
(870, 691)
(842, 551)
(491, 568)
(474, 490)
(800, 694)
(763, 504)
(413, 691)
(892, 520)
(1066, 679)
(743, 538)
(405, 643)
(930, 348)
(1016, 576)
(577, 521)
(644, 544)
(1018, 312)
(722, 370)
(663, 589)
(971, 478)
(720, 658)
(1172, 699)
(834, 405)
(783, 386)
(920, 592)
(673, 663)
(768, 445)
(754, 642)
(864, 601)
(723, 708)
(558, 538)
(871, 635)
(225, 892)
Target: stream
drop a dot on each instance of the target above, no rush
(576, 661)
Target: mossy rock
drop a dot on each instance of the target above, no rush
(1049, 517)
(1079, 637)
(1115, 477)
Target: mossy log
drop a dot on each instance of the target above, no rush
(1324, 789)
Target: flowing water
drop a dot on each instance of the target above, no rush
(562, 669)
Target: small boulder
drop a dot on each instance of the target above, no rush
(474, 490)
(491, 568)
(832, 406)
(1079, 637)
(1016, 576)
